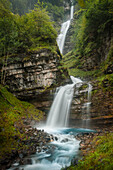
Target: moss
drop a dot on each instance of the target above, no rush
(52, 48)
(100, 158)
(13, 112)
(106, 81)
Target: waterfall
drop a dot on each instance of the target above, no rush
(64, 28)
(86, 108)
(62, 35)
(89, 100)
(59, 112)
(72, 11)
(64, 147)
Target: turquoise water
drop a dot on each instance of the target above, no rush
(58, 153)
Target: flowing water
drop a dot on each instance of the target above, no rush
(86, 108)
(60, 152)
(59, 112)
(64, 148)
(63, 32)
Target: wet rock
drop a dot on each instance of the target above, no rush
(56, 138)
(74, 161)
(21, 155)
(25, 161)
(65, 140)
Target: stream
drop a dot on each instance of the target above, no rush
(58, 154)
(64, 147)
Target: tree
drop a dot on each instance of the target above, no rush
(4, 8)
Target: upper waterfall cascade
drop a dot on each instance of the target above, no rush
(64, 28)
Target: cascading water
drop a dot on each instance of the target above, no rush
(63, 32)
(89, 100)
(72, 11)
(64, 147)
(60, 152)
(86, 108)
(59, 112)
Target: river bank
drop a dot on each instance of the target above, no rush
(37, 140)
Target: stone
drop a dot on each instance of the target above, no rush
(27, 78)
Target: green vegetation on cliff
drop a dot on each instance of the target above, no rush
(22, 33)
(92, 59)
(13, 113)
(100, 157)
(55, 8)
(93, 39)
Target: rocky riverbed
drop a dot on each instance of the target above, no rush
(36, 141)
(87, 139)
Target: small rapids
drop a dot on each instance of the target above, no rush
(58, 154)
(64, 147)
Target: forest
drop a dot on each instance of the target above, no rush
(30, 58)
(24, 32)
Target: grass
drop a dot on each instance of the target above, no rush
(12, 114)
(99, 158)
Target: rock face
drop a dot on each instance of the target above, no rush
(29, 75)
(68, 46)
(79, 108)
(99, 55)
(100, 110)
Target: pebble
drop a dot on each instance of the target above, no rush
(36, 141)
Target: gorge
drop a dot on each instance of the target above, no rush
(70, 81)
(63, 147)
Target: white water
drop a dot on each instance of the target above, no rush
(64, 28)
(59, 112)
(87, 105)
(62, 35)
(86, 108)
(59, 152)
(63, 147)
(72, 11)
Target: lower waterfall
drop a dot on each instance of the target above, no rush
(59, 112)
(63, 148)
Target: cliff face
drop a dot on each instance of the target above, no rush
(68, 45)
(28, 75)
(100, 54)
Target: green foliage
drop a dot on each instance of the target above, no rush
(37, 29)
(9, 41)
(92, 21)
(12, 114)
(72, 62)
(92, 27)
(106, 82)
(55, 8)
(56, 12)
(108, 62)
(20, 33)
(4, 8)
(101, 157)
(81, 3)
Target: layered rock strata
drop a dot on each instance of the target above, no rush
(29, 75)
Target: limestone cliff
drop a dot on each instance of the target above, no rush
(28, 75)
